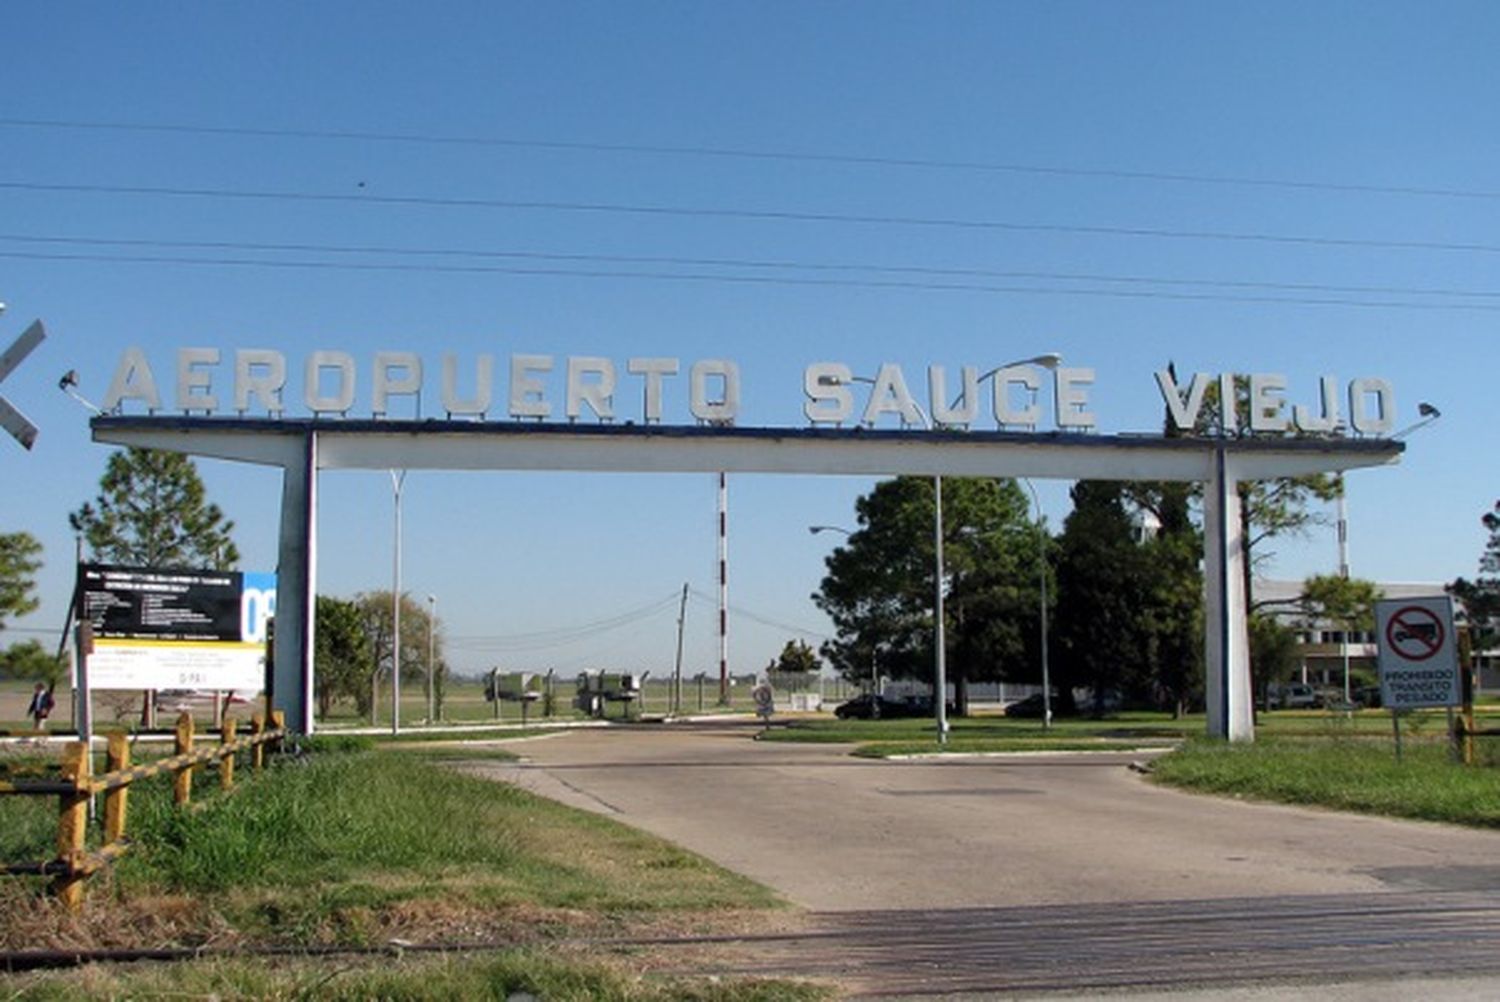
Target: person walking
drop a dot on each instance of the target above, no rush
(41, 705)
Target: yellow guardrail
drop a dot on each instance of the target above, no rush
(77, 784)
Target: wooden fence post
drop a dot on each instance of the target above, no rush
(182, 783)
(257, 750)
(72, 824)
(116, 758)
(278, 722)
(226, 754)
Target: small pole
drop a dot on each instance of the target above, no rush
(1468, 716)
(72, 823)
(1396, 726)
(226, 756)
(116, 758)
(278, 723)
(83, 644)
(257, 750)
(182, 783)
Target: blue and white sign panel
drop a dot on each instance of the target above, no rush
(176, 629)
(1418, 656)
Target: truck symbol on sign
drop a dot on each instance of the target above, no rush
(1426, 633)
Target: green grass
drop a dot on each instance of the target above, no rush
(969, 730)
(992, 746)
(479, 977)
(353, 847)
(1353, 774)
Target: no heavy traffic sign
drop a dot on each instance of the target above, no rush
(1418, 662)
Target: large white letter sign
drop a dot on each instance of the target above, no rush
(340, 365)
(259, 373)
(723, 410)
(132, 381)
(653, 369)
(1017, 375)
(191, 379)
(1360, 390)
(1267, 403)
(1071, 399)
(1184, 414)
(484, 377)
(598, 393)
(409, 381)
(968, 400)
(890, 396)
(1329, 421)
(528, 395)
(828, 398)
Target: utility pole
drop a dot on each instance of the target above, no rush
(677, 672)
(723, 590)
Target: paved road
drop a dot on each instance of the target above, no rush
(1036, 873)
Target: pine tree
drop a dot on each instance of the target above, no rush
(152, 511)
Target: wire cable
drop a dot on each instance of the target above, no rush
(757, 618)
(763, 280)
(740, 153)
(814, 266)
(761, 215)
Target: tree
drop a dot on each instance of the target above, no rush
(879, 590)
(1273, 649)
(19, 561)
(1172, 595)
(796, 656)
(1481, 597)
(152, 511)
(342, 655)
(31, 661)
(1102, 636)
(795, 667)
(375, 614)
(1349, 601)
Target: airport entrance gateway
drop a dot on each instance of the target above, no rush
(301, 448)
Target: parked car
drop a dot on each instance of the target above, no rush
(1031, 706)
(1293, 696)
(867, 707)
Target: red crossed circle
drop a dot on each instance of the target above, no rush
(1414, 632)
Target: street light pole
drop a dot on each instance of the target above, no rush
(398, 479)
(1041, 522)
(1047, 360)
(431, 650)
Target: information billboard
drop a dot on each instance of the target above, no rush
(157, 628)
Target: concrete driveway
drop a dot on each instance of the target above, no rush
(837, 833)
(1045, 875)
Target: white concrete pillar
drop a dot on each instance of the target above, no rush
(296, 588)
(1226, 634)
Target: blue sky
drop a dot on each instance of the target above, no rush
(1074, 116)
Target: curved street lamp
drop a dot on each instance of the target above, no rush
(1049, 360)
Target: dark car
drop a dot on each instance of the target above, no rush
(868, 707)
(1032, 706)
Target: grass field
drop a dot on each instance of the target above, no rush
(1346, 774)
(498, 977)
(365, 846)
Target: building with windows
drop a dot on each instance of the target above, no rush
(1325, 644)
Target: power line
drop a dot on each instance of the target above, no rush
(763, 280)
(740, 153)
(755, 617)
(762, 215)
(559, 636)
(739, 263)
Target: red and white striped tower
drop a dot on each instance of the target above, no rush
(723, 590)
